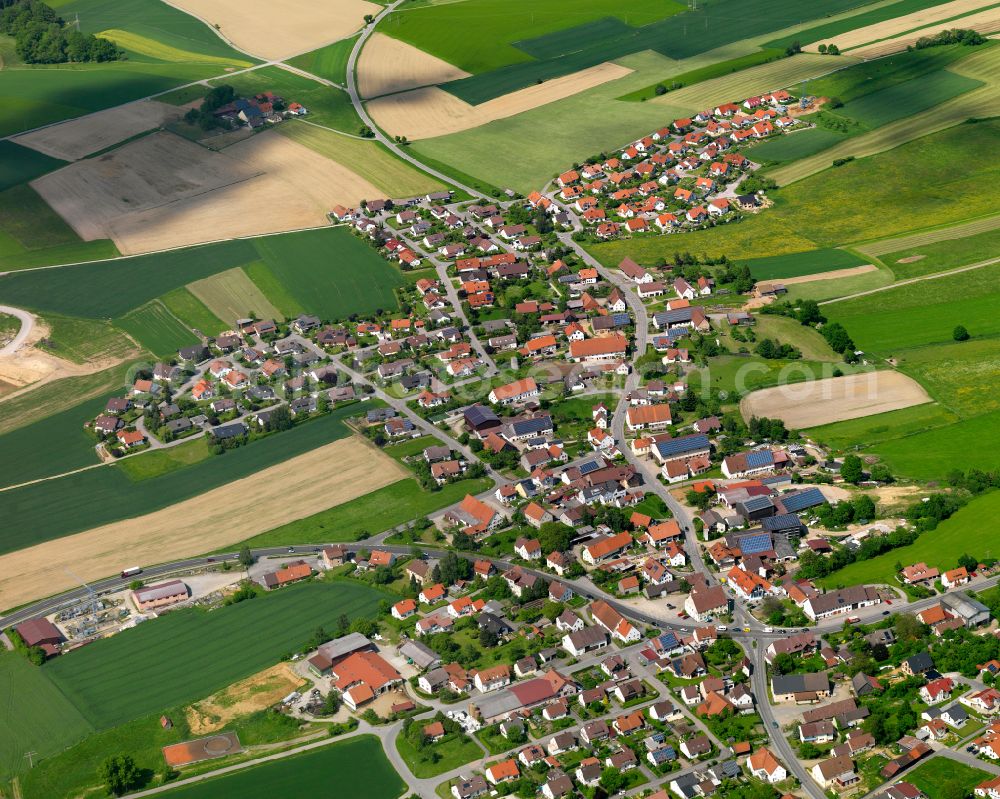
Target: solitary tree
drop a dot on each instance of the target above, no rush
(119, 773)
(960, 333)
(852, 470)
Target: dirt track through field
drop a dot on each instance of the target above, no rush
(280, 30)
(817, 402)
(389, 65)
(897, 25)
(984, 22)
(77, 138)
(329, 475)
(429, 112)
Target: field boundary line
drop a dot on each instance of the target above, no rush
(879, 247)
(920, 279)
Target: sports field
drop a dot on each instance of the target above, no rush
(232, 295)
(963, 532)
(156, 329)
(802, 263)
(35, 716)
(328, 271)
(357, 767)
(190, 653)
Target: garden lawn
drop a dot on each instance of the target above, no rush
(34, 715)
(32, 234)
(372, 513)
(158, 462)
(963, 532)
(925, 312)
(358, 767)
(798, 264)
(869, 431)
(20, 164)
(76, 502)
(191, 653)
(896, 182)
(937, 777)
(454, 751)
(942, 255)
(156, 329)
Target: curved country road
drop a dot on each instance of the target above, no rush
(27, 323)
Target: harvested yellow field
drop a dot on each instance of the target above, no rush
(756, 80)
(984, 22)
(82, 136)
(389, 65)
(276, 31)
(164, 52)
(337, 472)
(898, 25)
(885, 246)
(232, 295)
(257, 692)
(802, 405)
(429, 112)
(982, 103)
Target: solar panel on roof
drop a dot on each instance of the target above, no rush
(685, 444)
(755, 544)
(588, 467)
(763, 457)
(782, 521)
(809, 498)
(757, 503)
(620, 318)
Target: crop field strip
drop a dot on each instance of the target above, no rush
(232, 295)
(881, 247)
(327, 271)
(358, 767)
(980, 103)
(192, 312)
(190, 653)
(155, 328)
(81, 501)
(802, 263)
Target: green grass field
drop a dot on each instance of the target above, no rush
(84, 340)
(924, 312)
(372, 513)
(937, 777)
(789, 331)
(961, 376)
(453, 752)
(963, 532)
(905, 99)
(55, 508)
(869, 431)
(738, 375)
(232, 295)
(820, 290)
(36, 716)
(943, 255)
(52, 445)
(328, 271)
(797, 264)
(192, 312)
(897, 182)
(32, 234)
(272, 288)
(156, 463)
(156, 329)
(968, 444)
(796, 145)
(716, 70)
(357, 767)
(20, 164)
(328, 62)
(189, 654)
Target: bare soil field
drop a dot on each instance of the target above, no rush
(80, 137)
(145, 174)
(276, 31)
(833, 274)
(338, 472)
(163, 191)
(898, 25)
(834, 399)
(987, 21)
(256, 692)
(429, 112)
(389, 65)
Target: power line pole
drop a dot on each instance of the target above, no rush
(31, 758)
